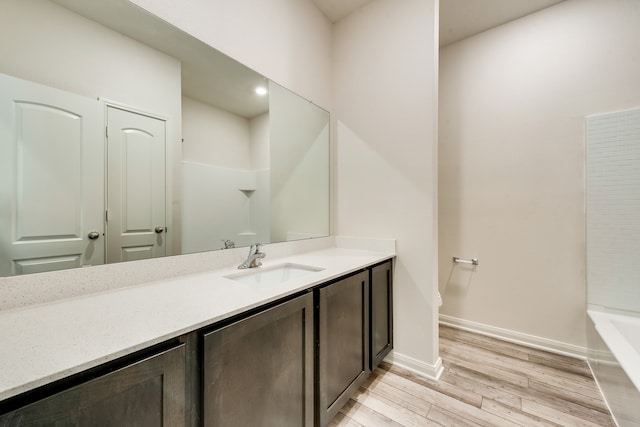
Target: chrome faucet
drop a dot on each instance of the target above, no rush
(253, 260)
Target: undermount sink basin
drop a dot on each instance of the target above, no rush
(274, 274)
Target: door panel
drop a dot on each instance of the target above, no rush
(44, 264)
(49, 167)
(51, 178)
(136, 186)
(150, 392)
(343, 328)
(134, 253)
(259, 371)
(381, 295)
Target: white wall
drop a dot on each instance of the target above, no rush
(260, 219)
(512, 108)
(213, 136)
(259, 142)
(385, 161)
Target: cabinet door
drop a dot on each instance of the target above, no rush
(259, 370)
(381, 312)
(343, 342)
(148, 393)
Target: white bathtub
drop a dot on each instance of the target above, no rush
(622, 336)
(615, 360)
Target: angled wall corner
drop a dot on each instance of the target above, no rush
(384, 147)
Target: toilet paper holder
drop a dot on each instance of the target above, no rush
(473, 261)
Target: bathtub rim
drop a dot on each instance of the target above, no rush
(622, 350)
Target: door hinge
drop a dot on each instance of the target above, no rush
(106, 216)
(106, 131)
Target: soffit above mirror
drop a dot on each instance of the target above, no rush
(233, 88)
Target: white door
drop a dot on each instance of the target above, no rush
(51, 179)
(136, 197)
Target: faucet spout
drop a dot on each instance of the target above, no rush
(254, 257)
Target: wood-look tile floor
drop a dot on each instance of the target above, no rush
(486, 382)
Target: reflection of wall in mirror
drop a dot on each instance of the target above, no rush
(68, 52)
(299, 145)
(226, 177)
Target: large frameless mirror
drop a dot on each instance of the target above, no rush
(123, 138)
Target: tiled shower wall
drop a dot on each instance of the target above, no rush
(613, 210)
(613, 245)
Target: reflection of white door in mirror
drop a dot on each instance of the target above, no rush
(136, 220)
(51, 163)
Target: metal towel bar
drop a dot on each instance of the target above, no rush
(473, 261)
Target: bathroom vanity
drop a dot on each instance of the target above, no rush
(179, 340)
(209, 349)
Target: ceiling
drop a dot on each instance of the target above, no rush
(459, 19)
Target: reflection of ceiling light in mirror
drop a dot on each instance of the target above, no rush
(261, 90)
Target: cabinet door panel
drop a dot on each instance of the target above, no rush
(343, 343)
(381, 312)
(259, 371)
(148, 393)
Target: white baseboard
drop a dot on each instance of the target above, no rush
(516, 337)
(431, 372)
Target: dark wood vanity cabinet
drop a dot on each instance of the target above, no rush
(343, 342)
(381, 306)
(150, 392)
(258, 371)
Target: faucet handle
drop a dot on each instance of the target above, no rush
(258, 246)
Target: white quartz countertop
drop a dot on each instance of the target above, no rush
(47, 342)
